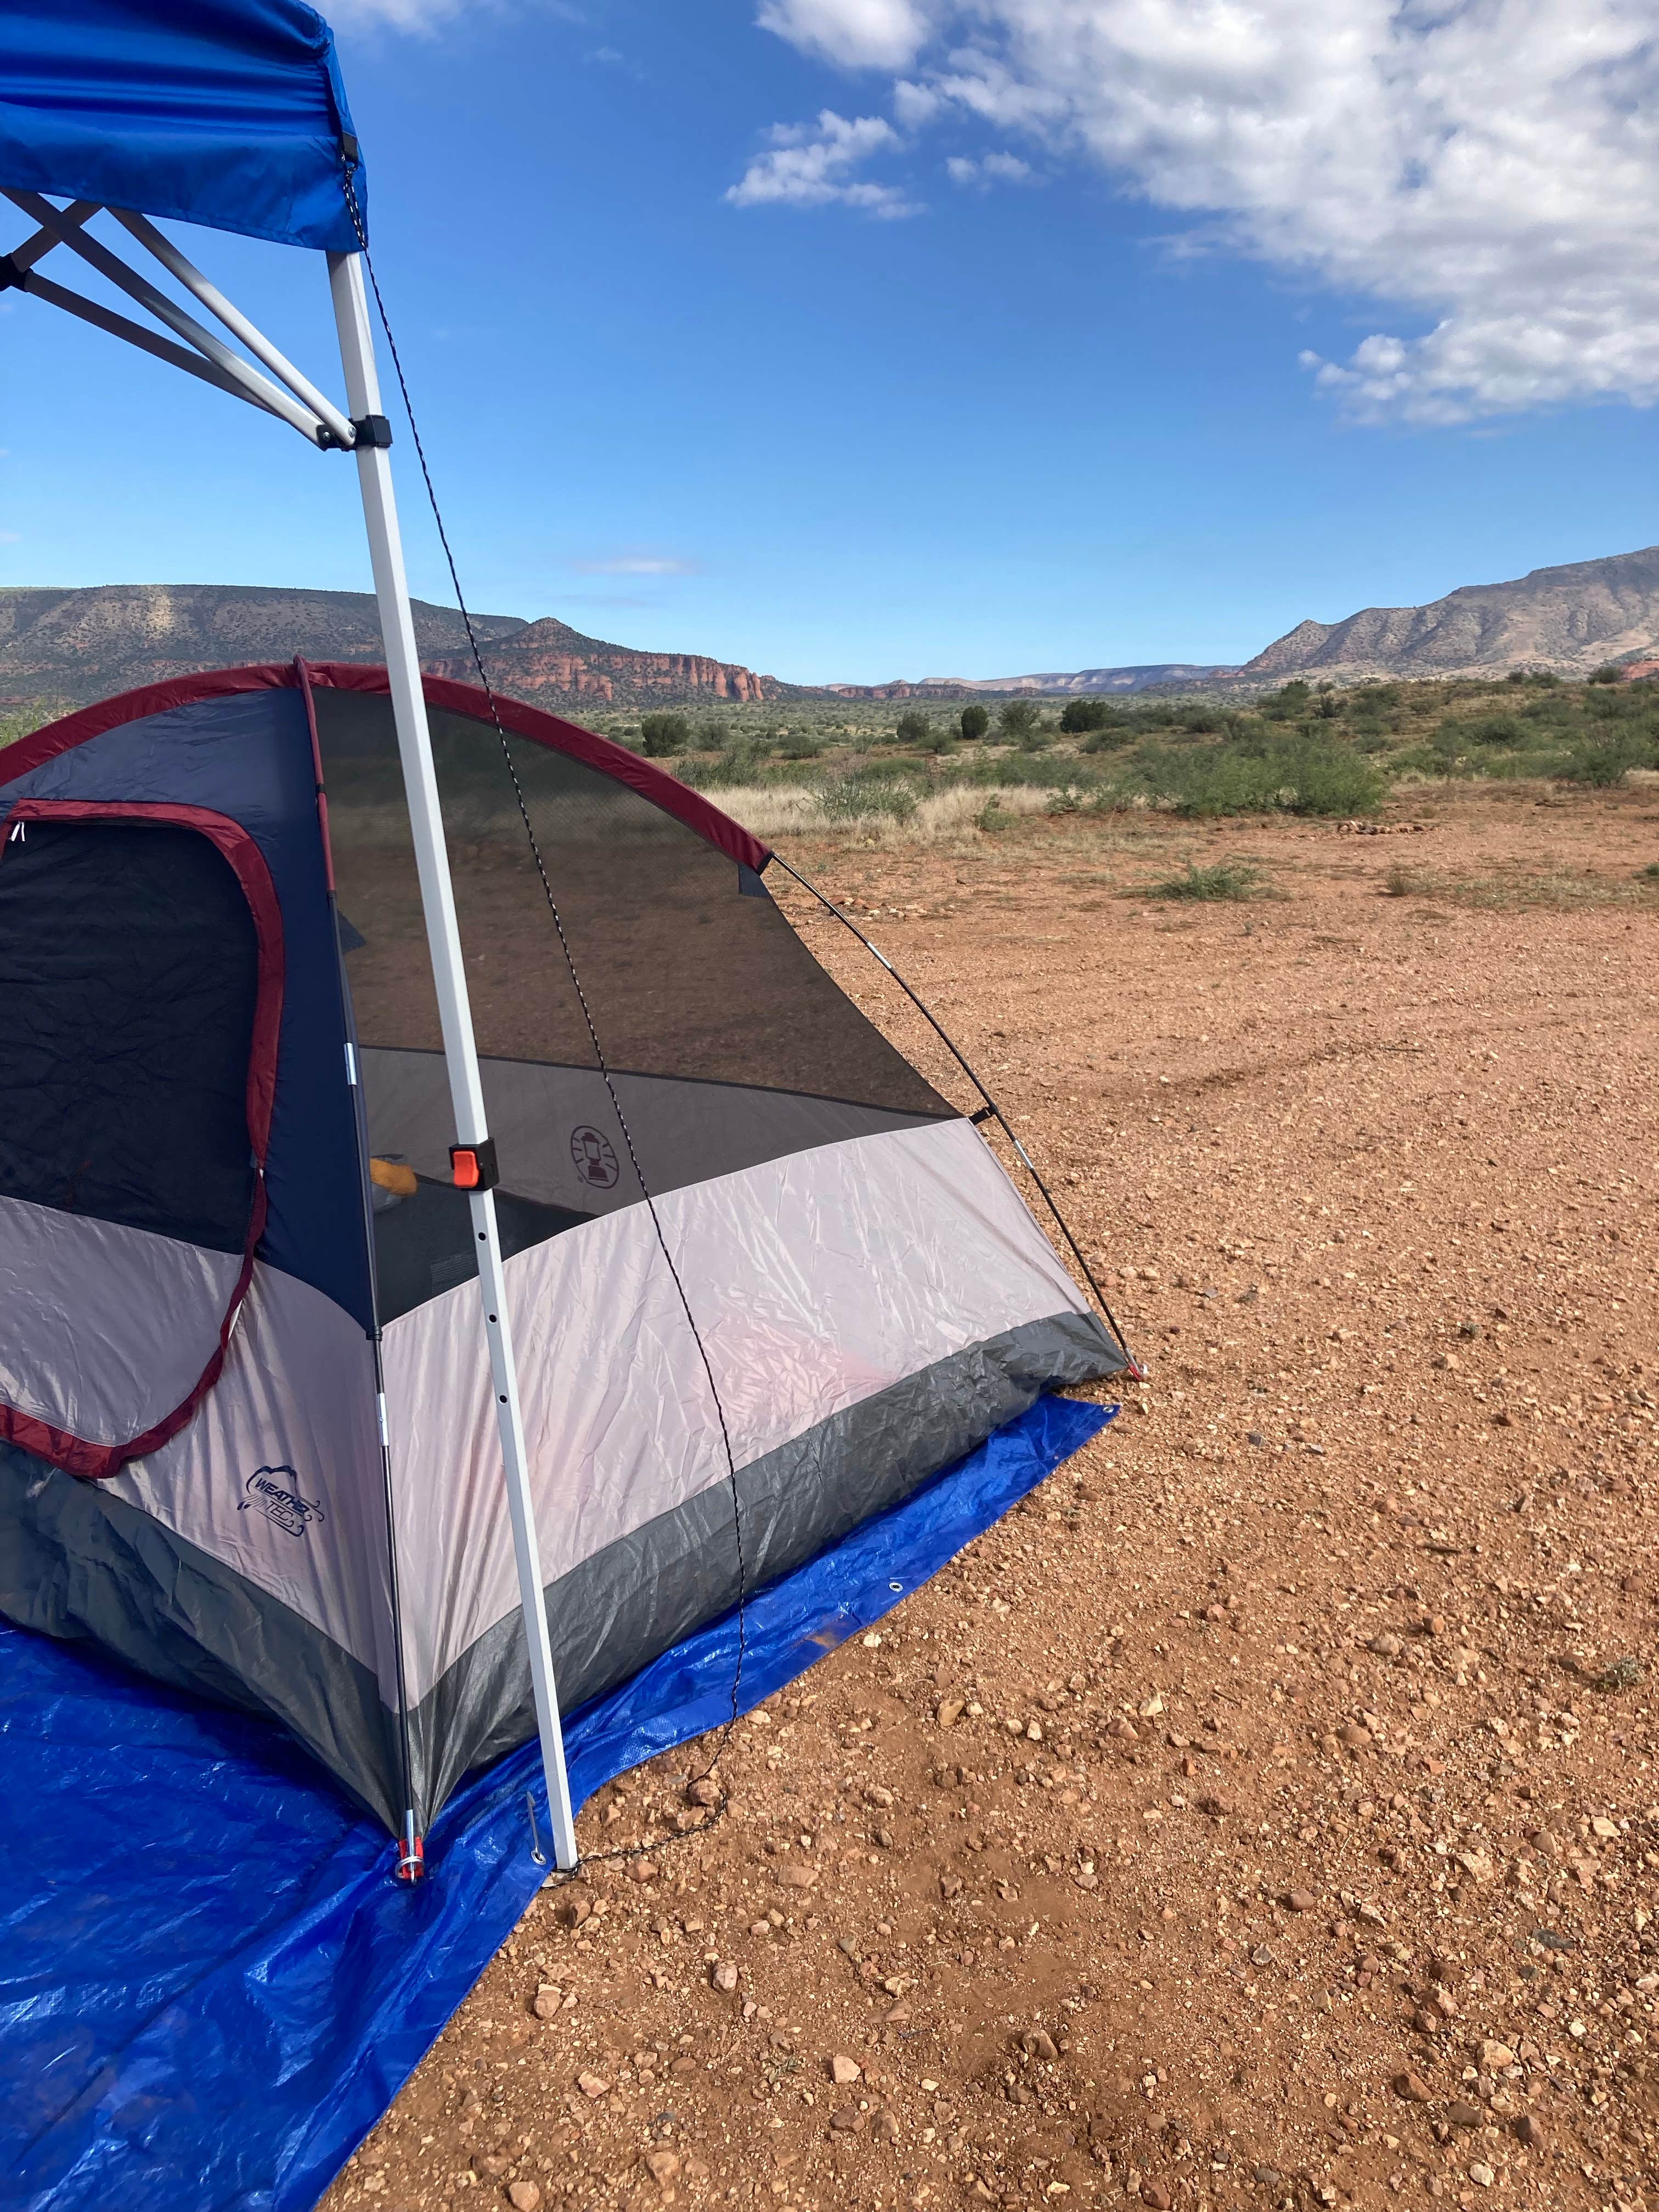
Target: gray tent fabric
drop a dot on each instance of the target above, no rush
(318, 1531)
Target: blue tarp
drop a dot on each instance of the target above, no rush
(210, 1988)
(227, 112)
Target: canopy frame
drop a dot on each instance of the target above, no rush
(361, 428)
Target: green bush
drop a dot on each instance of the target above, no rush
(739, 762)
(1108, 738)
(845, 797)
(1079, 715)
(974, 722)
(1492, 730)
(662, 734)
(1604, 762)
(1608, 672)
(800, 745)
(1293, 775)
(913, 728)
(1019, 718)
(1222, 879)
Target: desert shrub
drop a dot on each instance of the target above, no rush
(940, 739)
(846, 797)
(974, 723)
(800, 745)
(738, 762)
(913, 728)
(662, 734)
(1108, 738)
(1604, 762)
(1019, 718)
(1222, 879)
(1493, 730)
(1292, 775)
(1608, 672)
(1078, 716)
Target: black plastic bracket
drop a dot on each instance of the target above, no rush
(371, 429)
(472, 1167)
(984, 1113)
(11, 277)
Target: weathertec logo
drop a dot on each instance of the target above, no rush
(274, 1491)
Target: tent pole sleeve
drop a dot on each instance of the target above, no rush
(454, 1012)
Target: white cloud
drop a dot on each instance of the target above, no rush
(811, 165)
(1487, 166)
(992, 169)
(635, 564)
(857, 33)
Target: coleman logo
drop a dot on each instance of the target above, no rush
(593, 1160)
(274, 1491)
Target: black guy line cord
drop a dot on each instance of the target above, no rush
(718, 1813)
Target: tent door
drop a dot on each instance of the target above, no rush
(140, 995)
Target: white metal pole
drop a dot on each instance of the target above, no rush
(454, 1013)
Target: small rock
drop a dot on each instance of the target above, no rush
(1446, 1971)
(1386, 1646)
(592, 2084)
(1038, 2043)
(1356, 1738)
(1269, 2177)
(948, 1883)
(547, 2001)
(1413, 2088)
(1527, 2133)
(1155, 2194)
(1123, 1730)
(704, 1791)
(1481, 2174)
(1215, 1806)
(844, 2071)
(573, 1908)
(525, 2196)
(884, 2127)
(1300, 1900)
(644, 1871)
(876, 1796)
(1491, 2057)
(796, 1877)
(663, 2167)
(950, 1711)
(489, 2164)
(725, 1976)
(1427, 2023)
(1461, 2114)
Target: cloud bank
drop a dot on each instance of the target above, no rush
(1486, 166)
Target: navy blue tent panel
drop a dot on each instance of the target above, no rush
(226, 112)
(209, 1988)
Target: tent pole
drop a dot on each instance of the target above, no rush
(455, 1016)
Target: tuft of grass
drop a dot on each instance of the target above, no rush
(1560, 888)
(1222, 879)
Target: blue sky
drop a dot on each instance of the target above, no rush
(859, 417)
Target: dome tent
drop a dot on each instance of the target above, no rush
(249, 1414)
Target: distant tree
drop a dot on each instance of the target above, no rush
(913, 728)
(713, 735)
(1019, 718)
(662, 734)
(974, 722)
(1608, 674)
(1079, 715)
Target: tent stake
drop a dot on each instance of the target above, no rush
(454, 1012)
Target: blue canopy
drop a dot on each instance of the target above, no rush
(227, 112)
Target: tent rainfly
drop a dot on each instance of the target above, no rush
(376, 1353)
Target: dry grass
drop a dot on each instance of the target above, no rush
(1558, 887)
(963, 811)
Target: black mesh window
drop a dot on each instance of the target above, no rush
(128, 970)
(731, 1045)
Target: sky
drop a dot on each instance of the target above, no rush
(854, 339)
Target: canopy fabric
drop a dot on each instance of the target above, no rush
(226, 112)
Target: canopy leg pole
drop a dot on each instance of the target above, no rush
(454, 1012)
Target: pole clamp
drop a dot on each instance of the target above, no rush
(372, 430)
(472, 1167)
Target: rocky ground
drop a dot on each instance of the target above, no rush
(1265, 1812)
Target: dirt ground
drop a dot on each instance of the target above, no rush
(1265, 1812)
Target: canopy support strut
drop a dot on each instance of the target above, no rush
(454, 1012)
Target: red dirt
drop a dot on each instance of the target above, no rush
(1297, 1841)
